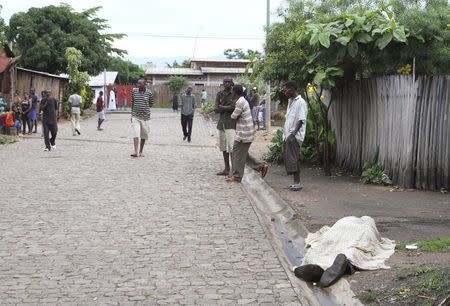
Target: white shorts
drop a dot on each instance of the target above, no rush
(101, 115)
(226, 140)
(141, 128)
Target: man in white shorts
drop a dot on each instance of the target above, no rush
(101, 113)
(141, 101)
(225, 104)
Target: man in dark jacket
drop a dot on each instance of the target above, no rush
(225, 104)
(49, 109)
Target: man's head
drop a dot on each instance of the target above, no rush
(203, 89)
(189, 90)
(254, 90)
(100, 93)
(32, 91)
(238, 90)
(48, 93)
(227, 83)
(141, 84)
(290, 89)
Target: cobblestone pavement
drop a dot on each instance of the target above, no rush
(86, 224)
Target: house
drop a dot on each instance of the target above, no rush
(203, 72)
(102, 82)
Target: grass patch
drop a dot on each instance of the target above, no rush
(437, 245)
(7, 140)
(370, 296)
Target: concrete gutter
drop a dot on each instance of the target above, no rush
(287, 234)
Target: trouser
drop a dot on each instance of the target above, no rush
(241, 157)
(26, 122)
(263, 111)
(291, 155)
(75, 122)
(50, 128)
(186, 124)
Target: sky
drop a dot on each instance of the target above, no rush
(217, 24)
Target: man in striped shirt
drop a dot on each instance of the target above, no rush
(245, 134)
(141, 101)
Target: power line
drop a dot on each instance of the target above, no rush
(192, 36)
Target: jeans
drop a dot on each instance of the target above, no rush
(263, 110)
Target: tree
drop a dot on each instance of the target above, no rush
(2, 29)
(127, 71)
(238, 53)
(176, 83)
(43, 34)
(175, 64)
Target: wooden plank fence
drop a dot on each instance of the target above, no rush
(406, 121)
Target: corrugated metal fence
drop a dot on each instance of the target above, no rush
(407, 121)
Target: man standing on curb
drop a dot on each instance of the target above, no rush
(100, 110)
(49, 108)
(141, 101)
(187, 113)
(245, 134)
(294, 132)
(225, 103)
(75, 103)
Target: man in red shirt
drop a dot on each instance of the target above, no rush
(100, 111)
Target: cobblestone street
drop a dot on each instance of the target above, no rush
(87, 224)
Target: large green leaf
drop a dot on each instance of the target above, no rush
(384, 40)
(324, 39)
(334, 71)
(353, 48)
(343, 40)
(320, 76)
(348, 22)
(314, 39)
(363, 37)
(399, 34)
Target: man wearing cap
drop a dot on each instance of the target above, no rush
(225, 104)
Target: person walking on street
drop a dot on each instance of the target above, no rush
(75, 103)
(294, 132)
(175, 103)
(225, 103)
(32, 115)
(204, 96)
(100, 110)
(123, 98)
(25, 108)
(187, 113)
(49, 108)
(255, 103)
(141, 102)
(245, 134)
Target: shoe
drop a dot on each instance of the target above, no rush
(100, 129)
(54, 147)
(296, 187)
(189, 138)
(224, 173)
(264, 170)
(309, 273)
(78, 132)
(335, 272)
(232, 180)
(46, 149)
(74, 134)
(184, 138)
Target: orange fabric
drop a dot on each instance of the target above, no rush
(10, 119)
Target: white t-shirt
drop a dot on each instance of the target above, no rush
(297, 110)
(75, 101)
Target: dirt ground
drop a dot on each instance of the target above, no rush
(401, 215)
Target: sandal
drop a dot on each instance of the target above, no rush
(134, 155)
(223, 173)
(296, 187)
(264, 170)
(232, 180)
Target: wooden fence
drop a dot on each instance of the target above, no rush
(407, 122)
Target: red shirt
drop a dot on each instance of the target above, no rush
(123, 95)
(99, 103)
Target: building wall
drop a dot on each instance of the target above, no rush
(198, 65)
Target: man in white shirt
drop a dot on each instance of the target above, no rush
(75, 103)
(294, 132)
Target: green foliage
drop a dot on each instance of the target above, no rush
(275, 153)
(176, 83)
(435, 245)
(238, 53)
(184, 64)
(207, 108)
(373, 173)
(2, 29)
(43, 34)
(127, 71)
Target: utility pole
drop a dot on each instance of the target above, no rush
(268, 101)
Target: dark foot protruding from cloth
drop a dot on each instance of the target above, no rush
(335, 272)
(309, 273)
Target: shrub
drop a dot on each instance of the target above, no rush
(373, 173)
(207, 108)
(275, 153)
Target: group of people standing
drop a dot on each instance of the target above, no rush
(25, 109)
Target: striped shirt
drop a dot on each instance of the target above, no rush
(141, 103)
(245, 131)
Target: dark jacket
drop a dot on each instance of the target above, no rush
(225, 104)
(49, 107)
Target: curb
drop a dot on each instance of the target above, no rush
(287, 234)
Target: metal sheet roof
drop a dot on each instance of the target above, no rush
(44, 73)
(224, 70)
(173, 71)
(99, 80)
